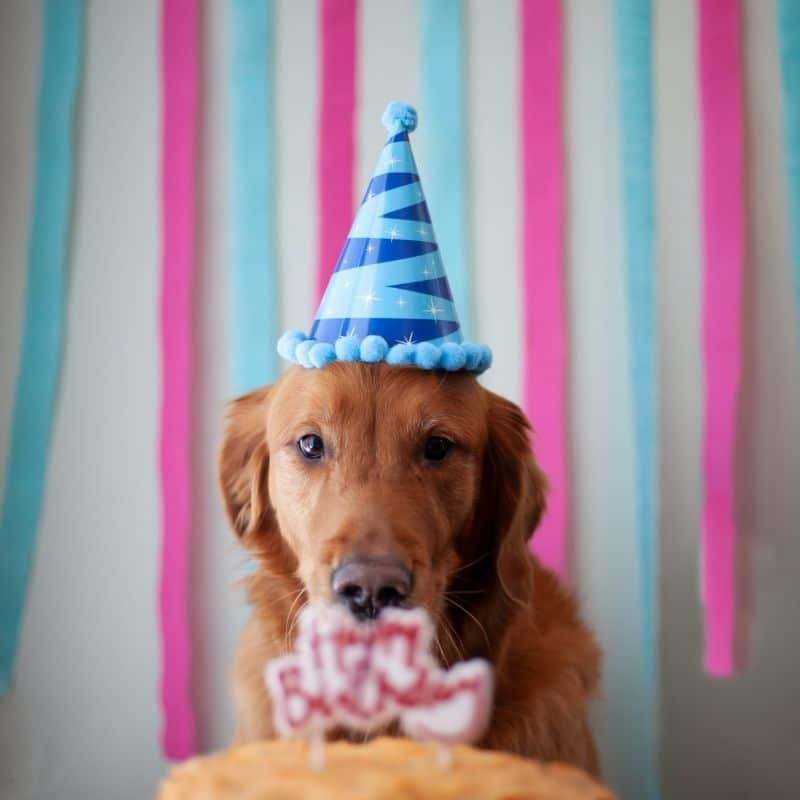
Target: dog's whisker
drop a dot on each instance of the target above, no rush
(286, 596)
(459, 644)
(291, 607)
(472, 617)
(453, 636)
(441, 650)
(456, 648)
(471, 564)
(465, 591)
(291, 620)
(294, 623)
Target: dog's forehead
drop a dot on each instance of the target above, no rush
(369, 393)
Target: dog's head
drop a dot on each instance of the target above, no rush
(375, 485)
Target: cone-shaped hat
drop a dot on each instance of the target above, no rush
(388, 298)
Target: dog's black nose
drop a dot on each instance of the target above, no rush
(366, 586)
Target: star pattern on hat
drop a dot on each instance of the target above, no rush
(433, 310)
(369, 297)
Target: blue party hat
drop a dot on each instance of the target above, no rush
(388, 298)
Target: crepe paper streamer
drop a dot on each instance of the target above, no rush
(635, 81)
(336, 134)
(43, 326)
(180, 75)
(444, 141)
(542, 264)
(789, 40)
(724, 249)
(254, 281)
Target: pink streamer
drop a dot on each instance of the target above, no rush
(544, 303)
(336, 133)
(179, 64)
(723, 235)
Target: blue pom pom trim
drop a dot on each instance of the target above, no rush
(399, 117)
(427, 355)
(401, 354)
(298, 348)
(303, 353)
(322, 353)
(287, 344)
(374, 349)
(453, 357)
(348, 349)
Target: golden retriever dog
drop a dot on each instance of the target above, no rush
(373, 485)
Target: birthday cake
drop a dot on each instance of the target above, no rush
(343, 674)
(400, 769)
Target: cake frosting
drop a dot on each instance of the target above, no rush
(390, 768)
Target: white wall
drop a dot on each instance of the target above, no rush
(82, 720)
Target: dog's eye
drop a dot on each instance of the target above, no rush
(311, 447)
(437, 447)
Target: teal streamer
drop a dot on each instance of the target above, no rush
(635, 80)
(444, 141)
(253, 279)
(42, 333)
(789, 42)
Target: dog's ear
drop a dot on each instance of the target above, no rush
(515, 488)
(243, 466)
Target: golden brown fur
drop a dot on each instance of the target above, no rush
(462, 526)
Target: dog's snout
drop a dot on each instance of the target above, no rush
(367, 586)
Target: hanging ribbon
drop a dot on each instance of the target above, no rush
(254, 285)
(180, 75)
(444, 143)
(635, 82)
(336, 133)
(789, 39)
(542, 251)
(43, 327)
(723, 238)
